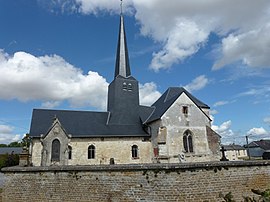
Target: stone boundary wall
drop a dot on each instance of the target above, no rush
(140, 182)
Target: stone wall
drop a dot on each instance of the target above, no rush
(195, 121)
(140, 182)
(106, 148)
(214, 142)
(58, 135)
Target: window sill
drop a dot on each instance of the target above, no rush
(189, 154)
(163, 157)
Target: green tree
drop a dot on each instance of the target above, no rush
(26, 141)
(14, 144)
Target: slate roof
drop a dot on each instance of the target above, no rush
(168, 98)
(264, 144)
(121, 120)
(125, 118)
(233, 147)
(145, 112)
(82, 124)
(9, 150)
(122, 60)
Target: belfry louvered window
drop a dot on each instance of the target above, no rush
(125, 86)
(129, 87)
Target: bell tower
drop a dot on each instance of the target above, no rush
(123, 94)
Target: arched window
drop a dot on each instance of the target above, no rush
(134, 152)
(69, 152)
(124, 86)
(91, 152)
(187, 141)
(129, 87)
(55, 150)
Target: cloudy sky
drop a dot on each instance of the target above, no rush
(60, 54)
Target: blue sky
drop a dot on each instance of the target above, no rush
(60, 54)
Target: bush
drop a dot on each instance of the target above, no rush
(264, 196)
(7, 160)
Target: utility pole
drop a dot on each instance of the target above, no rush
(247, 147)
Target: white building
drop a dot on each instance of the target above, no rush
(235, 152)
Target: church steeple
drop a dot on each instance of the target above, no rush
(123, 92)
(122, 60)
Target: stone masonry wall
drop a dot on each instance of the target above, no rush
(140, 182)
(106, 148)
(177, 123)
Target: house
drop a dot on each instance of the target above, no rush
(258, 148)
(234, 152)
(176, 128)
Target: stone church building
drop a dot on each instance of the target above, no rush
(176, 128)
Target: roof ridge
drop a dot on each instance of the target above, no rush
(167, 94)
(67, 110)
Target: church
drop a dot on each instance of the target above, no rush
(176, 128)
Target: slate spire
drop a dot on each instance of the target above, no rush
(122, 60)
(123, 91)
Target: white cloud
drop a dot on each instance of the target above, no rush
(229, 136)
(59, 6)
(255, 134)
(258, 132)
(95, 6)
(197, 83)
(5, 129)
(261, 90)
(213, 112)
(259, 93)
(223, 128)
(7, 135)
(16, 138)
(251, 48)
(50, 79)
(266, 120)
(50, 104)
(183, 27)
(148, 93)
(220, 103)
(225, 131)
(179, 44)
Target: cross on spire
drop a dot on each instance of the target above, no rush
(121, 6)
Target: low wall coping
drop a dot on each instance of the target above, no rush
(140, 167)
